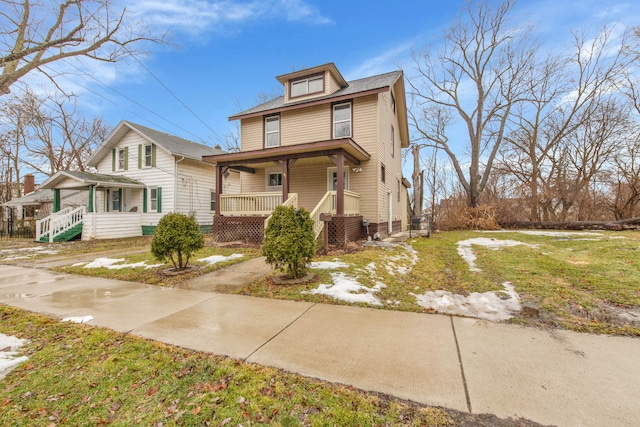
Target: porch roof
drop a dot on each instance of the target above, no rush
(352, 152)
(73, 179)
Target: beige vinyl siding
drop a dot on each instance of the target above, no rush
(251, 134)
(393, 164)
(366, 182)
(194, 182)
(331, 84)
(253, 182)
(310, 182)
(305, 125)
(231, 184)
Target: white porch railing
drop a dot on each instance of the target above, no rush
(326, 205)
(59, 222)
(250, 204)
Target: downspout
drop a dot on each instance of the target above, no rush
(390, 221)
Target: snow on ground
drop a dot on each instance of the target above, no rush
(9, 358)
(466, 252)
(346, 288)
(328, 265)
(112, 264)
(485, 305)
(214, 259)
(25, 253)
(78, 319)
(549, 233)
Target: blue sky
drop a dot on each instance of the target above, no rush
(225, 53)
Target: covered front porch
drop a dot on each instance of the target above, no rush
(114, 208)
(316, 176)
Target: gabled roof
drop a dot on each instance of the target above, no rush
(84, 179)
(171, 144)
(38, 197)
(355, 88)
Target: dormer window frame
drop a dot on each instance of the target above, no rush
(307, 87)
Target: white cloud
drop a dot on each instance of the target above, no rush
(198, 16)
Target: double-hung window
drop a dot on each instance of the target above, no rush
(213, 201)
(272, 131)
(148, 155)
(122, 156)
(153, 199)
(342, 120)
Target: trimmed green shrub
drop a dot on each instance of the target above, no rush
(289, 240)
(176, 238)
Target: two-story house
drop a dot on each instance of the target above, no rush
(141, 174)
(327, 145)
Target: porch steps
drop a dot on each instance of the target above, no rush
(66, 236)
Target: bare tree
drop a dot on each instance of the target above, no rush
(36, 33)
(477, 75)
(563, 92)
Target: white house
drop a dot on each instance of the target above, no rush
(141, 174)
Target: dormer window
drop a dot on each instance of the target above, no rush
(307, 85)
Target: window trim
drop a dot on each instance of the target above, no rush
(212, 200)
(320, 76)
(333, 120)
(272, 118)
(278, 180)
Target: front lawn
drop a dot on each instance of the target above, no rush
(143, 268)
(580, 281)
(79, 375)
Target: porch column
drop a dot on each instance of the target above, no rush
(90, 203)
(56, 200)
(220, 170)
(340, 184)
(285, 180)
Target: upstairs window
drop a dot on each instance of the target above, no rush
(306, 86)
(393, 141)
(342, 120)
(148, 155)
(272, 131)
(122, 159)
(383, 173)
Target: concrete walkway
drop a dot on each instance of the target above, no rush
(552, 377)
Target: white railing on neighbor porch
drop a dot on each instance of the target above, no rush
(59, 222)
(249, 204)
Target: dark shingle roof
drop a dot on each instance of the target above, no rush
(175, 145)
(354, 87)
(102, 178)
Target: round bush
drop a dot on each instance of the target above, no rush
(289, 241)
(176, 238)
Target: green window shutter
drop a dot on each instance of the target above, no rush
(126, 158)
(153, 155)
(144, 200)
(159, 199)
(113, 160)
(139, 156)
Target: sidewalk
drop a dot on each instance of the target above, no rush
(552, 377)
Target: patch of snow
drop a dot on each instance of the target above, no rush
(78, 319)
(616, 237)
(328, 265)
(549, 233)
(112, 264)
(466, 252)
(9, 358)
(25, 253)
(214, 259)
(485, 305)
(346, 288)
